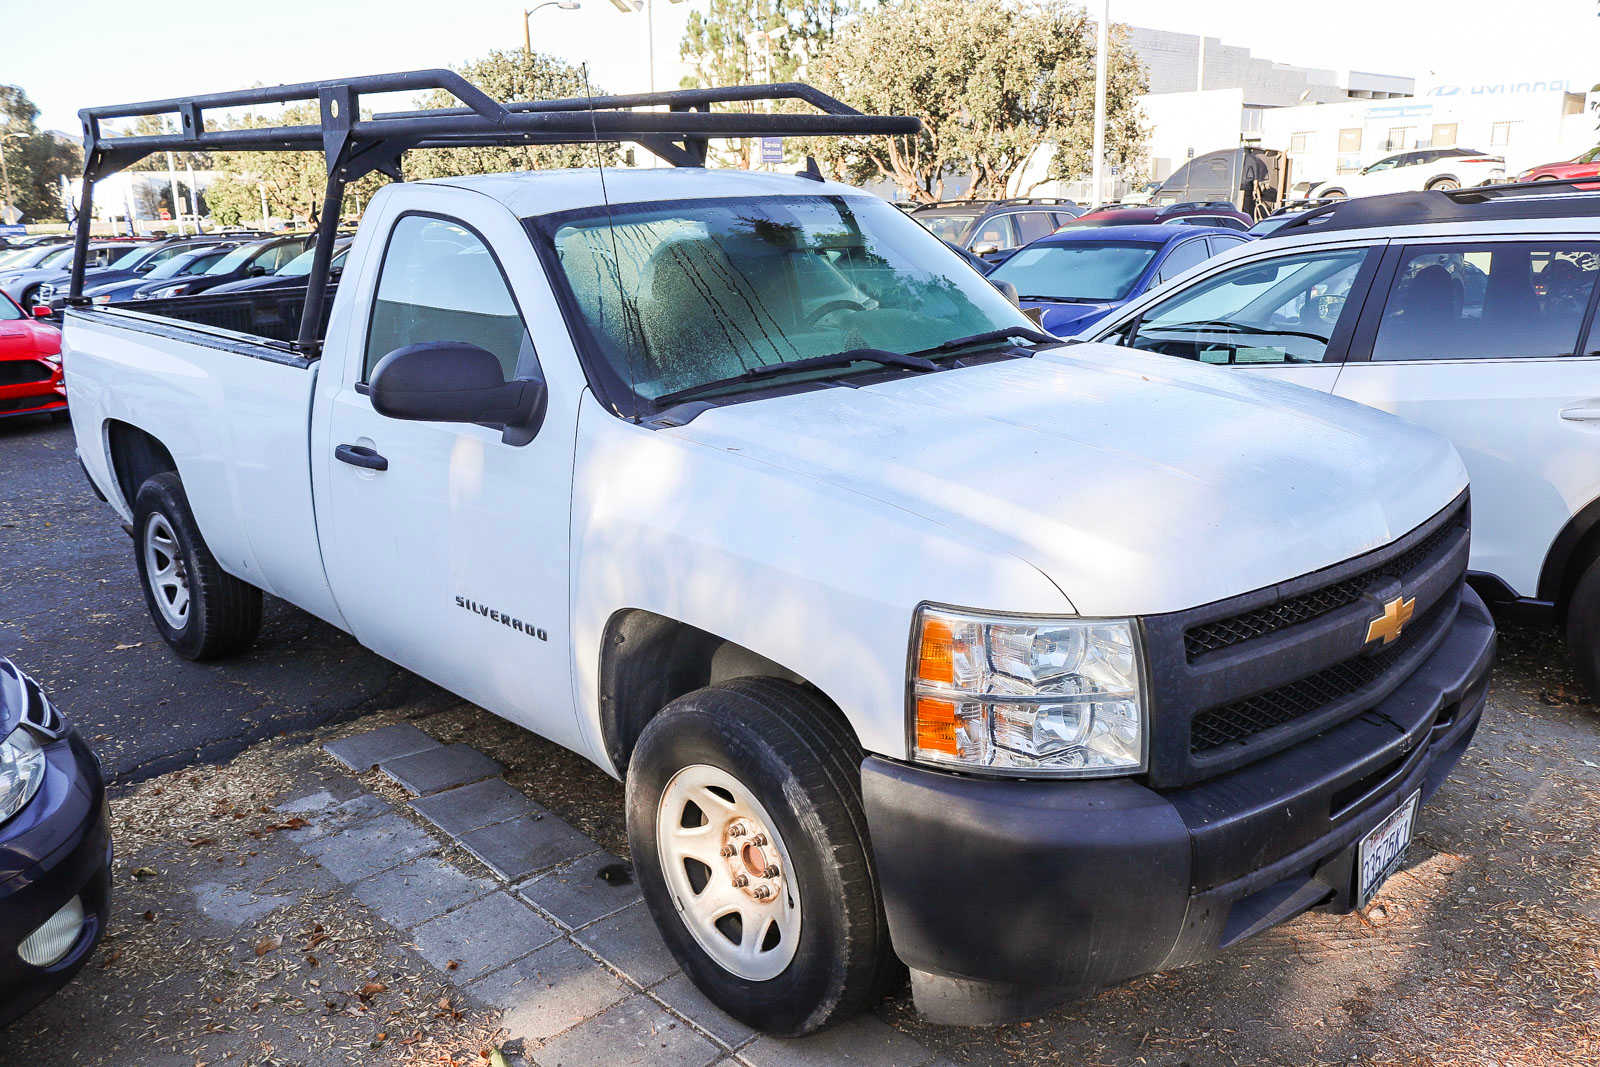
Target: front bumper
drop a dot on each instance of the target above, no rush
(42, 390)
(1074, 885)
(55, 848)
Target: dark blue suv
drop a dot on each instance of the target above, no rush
(55, 847)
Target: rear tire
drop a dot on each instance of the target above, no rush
(202, 611)
(788, 774)
(1443, 185)
(1583, 628)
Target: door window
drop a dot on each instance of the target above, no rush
(1032, 225)
(1220, 244)
(1487, 301)
(277, 255)
(1183, 256)
(994, 233)
(439, 283)
(1281, 310)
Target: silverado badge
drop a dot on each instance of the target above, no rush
(1396, 613)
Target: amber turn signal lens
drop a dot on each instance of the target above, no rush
(936, 726)
(936, 654)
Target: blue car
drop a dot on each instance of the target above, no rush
(187, 263)
(55, 847)
(1077, 277)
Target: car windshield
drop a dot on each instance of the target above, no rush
(8, 310)
(59, 257)
(947, 225)
(679, 295)
(1077, 271)
(131, 258)
(182, 264)
(300, 265)
(236, 259)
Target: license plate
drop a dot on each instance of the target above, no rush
(1383, 850)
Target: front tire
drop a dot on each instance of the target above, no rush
(1443, 185)
(202, 611)
(748, 835)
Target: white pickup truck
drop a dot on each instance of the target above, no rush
(915, 633)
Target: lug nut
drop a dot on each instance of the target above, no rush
(759, 840)
(728, 851)
(740, 881)
(771, 871)
(762, 892)
(736, 830)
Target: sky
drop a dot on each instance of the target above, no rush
(90, 52)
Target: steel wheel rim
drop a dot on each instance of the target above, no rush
(703, 863)
(166, 571)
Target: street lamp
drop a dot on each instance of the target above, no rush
(527, 18)
(631, 7)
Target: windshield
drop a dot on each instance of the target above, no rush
(234, 260)
(1078, 271)
(300, 265)
(947, 225)
(60, 257)
(692, 292)
(8, 310)
(182, 264)
(131, 258)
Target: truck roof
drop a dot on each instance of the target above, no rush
(543, 192)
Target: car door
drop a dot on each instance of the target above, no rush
(1289, 315)
(450, 558)
(1479, 341)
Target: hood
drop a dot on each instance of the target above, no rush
(24, 337)
(1065, 318)
(1137, 483)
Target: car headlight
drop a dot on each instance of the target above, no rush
(21, 771)
(1028, 697)
(103, 298)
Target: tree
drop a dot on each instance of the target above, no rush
(35, 159)
(509, 76)
(740, 42)
(993, 81)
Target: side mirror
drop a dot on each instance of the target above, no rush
(42, 311)
(988, 248)
(452, 381)
(1007, 290)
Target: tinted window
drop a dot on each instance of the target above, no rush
(946, 225)
(1076, 271)
(1486, 301)
(8, 310)
(1182, 257)
(1032, 225)
(1222, 244)
(277, 255)
(1281, 310)
(997, 231)
(439, 283)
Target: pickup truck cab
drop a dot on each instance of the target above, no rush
(914, 632)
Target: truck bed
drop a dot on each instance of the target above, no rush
(269, 314)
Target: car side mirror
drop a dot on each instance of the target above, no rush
(256, 271)
(42, 311)
(988, 248)
(1007, 290)
(453, 381)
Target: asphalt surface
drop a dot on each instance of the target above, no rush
(73, 616)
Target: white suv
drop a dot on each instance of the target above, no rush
(1440, 169)
(1471, 313)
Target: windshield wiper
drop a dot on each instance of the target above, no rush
(880, 356)
(1239, 327)
(1038, 337)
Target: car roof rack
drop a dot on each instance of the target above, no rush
(354, 146)
(1513, 200)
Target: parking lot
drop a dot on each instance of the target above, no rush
(1483, 951)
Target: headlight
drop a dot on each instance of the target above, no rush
(1026, 696)
(103, 298)
(21, 770)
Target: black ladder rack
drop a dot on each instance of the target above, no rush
(354, 147)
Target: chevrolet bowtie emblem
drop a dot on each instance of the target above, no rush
(1396, 613)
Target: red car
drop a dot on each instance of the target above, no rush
(1584, 166)
(30, 363)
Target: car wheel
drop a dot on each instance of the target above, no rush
(747, 831)
(1443, 185)
(1583, 627)
(202, 611)
(1332, 194)
(29, 298)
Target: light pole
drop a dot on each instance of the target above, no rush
(1101, 36)
(633, 7)
(527, 18)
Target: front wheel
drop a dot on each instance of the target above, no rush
(202, 611)
(746, 826)
(1444, 185)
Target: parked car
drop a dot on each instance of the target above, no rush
(1217, 214)
(251, 260)
(1247, 178)
(18, 261)
(188, 263)
(292, 273)
(55, 847)
(30, 364)
(22, 284)
(137, 263)
(1440, 169)
(993, 229)
(1078, 276)
(1470, 314)
(1585, 165)
(912, 629)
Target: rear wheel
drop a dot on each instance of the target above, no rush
(745, 821)
(202, 611)
(1333, 194)
(1583, 628)
(1443, 185)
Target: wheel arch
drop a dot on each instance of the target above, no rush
(648, 660)
(1433, 182)
(1570, 553)
(135, 456)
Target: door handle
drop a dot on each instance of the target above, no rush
(1582, 413)
(360, 456)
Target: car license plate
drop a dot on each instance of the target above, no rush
(1383, 850)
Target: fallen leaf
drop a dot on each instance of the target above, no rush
(370, 989)
(123, 648)
(144, 872)
(269, 944)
